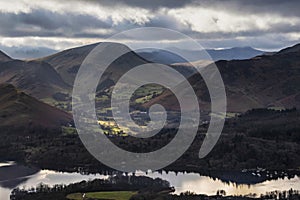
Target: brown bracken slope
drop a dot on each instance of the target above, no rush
(18, 109)
(260, 82)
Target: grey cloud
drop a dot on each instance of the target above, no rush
(146, 4)
(47, 23)
(166, 21)
(51, 21)
(281, 7)
(270, 42)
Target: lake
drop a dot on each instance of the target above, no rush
(13, 175)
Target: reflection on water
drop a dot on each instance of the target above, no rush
(8, 163)
(206, 185)
(13, 175)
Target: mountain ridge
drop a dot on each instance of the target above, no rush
(251, 83)
(168, 57)
(4, 57)
(67, 62)
(38, 79)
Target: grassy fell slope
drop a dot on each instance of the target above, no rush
(263, 81)
(18, 109)
(38, 79)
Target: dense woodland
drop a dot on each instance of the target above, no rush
(259, 138)
(117, 183)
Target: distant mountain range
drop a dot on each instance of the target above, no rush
(262, 81)
(259, 82)
(27, 52)
(160, 56)
(168, 57)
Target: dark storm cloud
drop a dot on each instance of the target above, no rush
(43, 22)
(282, 7)
(263, 8)
(147, 4)
(249, 20)
(47, 23)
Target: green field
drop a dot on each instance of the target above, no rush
(68, 130)
(116, 195)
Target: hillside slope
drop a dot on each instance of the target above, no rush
(38, 79)
(4, 57)
(263, 81)
(18, 109)
(67, 63)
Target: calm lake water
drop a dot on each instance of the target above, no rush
(13, 175)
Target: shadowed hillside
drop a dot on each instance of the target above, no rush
(38, 79)
(263, 81)
(4, 57)
(18, 109)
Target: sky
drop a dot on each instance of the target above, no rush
(267, 25)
